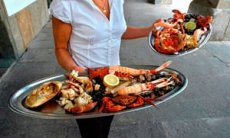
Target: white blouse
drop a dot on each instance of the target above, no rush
(95, 40)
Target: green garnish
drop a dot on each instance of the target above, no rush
(190, 25)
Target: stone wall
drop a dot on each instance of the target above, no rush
(160, 1)
(224, 4)
(23, 26)
(219, 9)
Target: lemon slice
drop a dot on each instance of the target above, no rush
(111, 80)
(190, 25)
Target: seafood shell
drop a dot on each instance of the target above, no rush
(43, 94)
(82, 108)
(88, 83)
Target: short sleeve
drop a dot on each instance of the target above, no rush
(61, 9)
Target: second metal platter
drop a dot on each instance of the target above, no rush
(203, 40)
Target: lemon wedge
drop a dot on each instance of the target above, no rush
(110, 80)
(190, 25)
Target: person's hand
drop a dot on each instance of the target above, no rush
(165, 24)
(156, 24)
(79, 69)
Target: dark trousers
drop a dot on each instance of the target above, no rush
(95, 127)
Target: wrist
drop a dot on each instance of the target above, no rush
(150, 29)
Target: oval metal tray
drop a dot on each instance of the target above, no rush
(52, 110)
(203, 40)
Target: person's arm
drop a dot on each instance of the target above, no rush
(137, 32)
(62, 32)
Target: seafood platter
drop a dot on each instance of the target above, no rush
(101, 92)
(182, 34)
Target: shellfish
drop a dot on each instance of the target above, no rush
(43, 94)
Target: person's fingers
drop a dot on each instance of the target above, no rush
(79, 69)
(158, 22)
(153, 28)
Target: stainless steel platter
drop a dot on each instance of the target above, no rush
(203, 40)
(52, 110)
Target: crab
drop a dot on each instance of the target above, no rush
(43, 94)
(121, 102)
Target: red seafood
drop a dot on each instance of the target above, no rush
(178, 15)
(98, 72)
(172, 22)
(140, 88)
(162, 23)
(169, 41)
(122, 102)
(82, 108)
(179, 33)
(204, 21)
(109, 106)
(136, 72)
(125, 72)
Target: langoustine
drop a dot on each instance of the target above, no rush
(140, 88)
(125, 72)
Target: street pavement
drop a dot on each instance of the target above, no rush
(201, 110)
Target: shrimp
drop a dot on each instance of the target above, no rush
(135, 72)
(141, 88)
(124, 72)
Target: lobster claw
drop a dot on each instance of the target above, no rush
(98, 72)
(178, 15)
(120, 102)
(109, 106)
